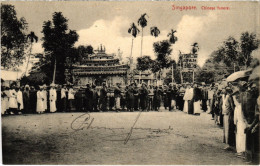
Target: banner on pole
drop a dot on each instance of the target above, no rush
(189, 62)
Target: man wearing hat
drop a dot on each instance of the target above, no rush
(228, 120)
(53, 98)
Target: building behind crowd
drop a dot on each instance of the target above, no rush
(98, 68)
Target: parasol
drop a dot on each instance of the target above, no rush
(238, 75)
(255, 74)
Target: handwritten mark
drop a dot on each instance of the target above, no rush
(131, 130)
(81, 122)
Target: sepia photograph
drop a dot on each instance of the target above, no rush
(130, 82)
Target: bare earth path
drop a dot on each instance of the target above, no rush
(158, 138)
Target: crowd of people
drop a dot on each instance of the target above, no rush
(234, 106)
(133, 97)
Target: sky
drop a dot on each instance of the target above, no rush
(107, 23)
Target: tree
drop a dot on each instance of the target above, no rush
(32, 38)
(172, 37)
(195, 48)
(249, 43)
(13, 37)
(154, 31)
(162, 51)
(233, 52)
(143, 23)
(205, 76)
(83, 51)
(133, 30)
(228, 53)
(58, 41)
(144, 63)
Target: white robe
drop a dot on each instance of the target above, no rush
(240, 123)
(53, 98)
(197, 108)
(20, 99)
(13, 99)
(71, 94)
(185, 108)
(44, 95)
(39, 107)
(63, 93)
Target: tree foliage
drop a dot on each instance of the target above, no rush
(248, 44)
(154, 31)
(162, 51)
(235, 52)
(58, 42)
(172, 37)
(142, 20)
(13, 37)
(144, 63)
(205, 76)
(133, 30)
(82, 51)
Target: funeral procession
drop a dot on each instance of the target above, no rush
(129, 83)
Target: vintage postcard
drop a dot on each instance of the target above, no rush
(130, 82)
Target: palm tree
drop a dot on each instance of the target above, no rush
(134, 31)
(173, 38)
(32, 38)
(154, 31)
(143, 23)
(195, 48)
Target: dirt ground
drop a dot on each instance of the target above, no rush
(158, 138)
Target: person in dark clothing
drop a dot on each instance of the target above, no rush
(130, 97)
(204, 97)
(150, 105)
(180, 100)
(165, 98)
(136, 97)
(156, 99)
(143, 97)
(95, 99)
(197, 97)
(78, 102)
(33, 99)
(169, 94)
(250, 111)
(89, 97)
